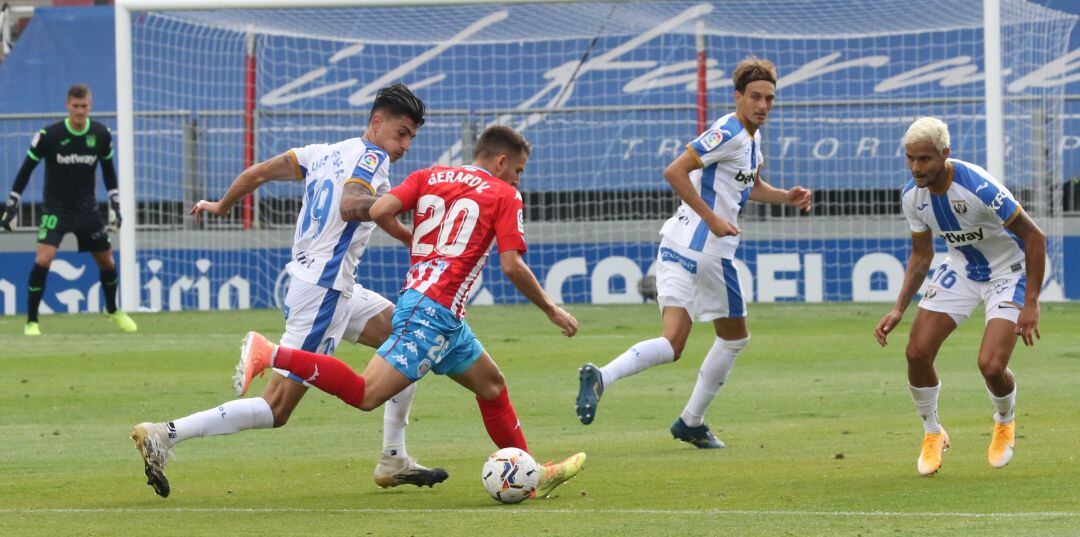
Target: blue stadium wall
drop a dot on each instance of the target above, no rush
(76, 44)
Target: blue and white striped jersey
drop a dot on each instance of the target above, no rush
(972, 217)
(326, 249)
(730, 159)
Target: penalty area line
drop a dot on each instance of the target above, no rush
(541, 511)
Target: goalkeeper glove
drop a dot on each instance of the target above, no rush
(11, 208)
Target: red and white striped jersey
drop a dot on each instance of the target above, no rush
(457, 214)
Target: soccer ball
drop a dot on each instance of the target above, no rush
(510, 475)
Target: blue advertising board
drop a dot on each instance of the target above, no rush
(605, 273)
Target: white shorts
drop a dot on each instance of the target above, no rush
(317, 318)
(706, 286)
(951, 292)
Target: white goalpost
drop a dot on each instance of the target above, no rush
(608, 92)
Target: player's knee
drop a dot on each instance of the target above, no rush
(917, 353)
(493, 388)
(993, 368)
(370, 402)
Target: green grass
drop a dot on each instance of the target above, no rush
(821, 431)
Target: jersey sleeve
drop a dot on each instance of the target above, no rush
(712, 146)
(409, 190)
(915, 224)
(370, 169)
(510, 224)
(302, 157)
(39, 146)
(999, 201)
(105, 147)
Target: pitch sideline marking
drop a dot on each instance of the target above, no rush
(670, 512)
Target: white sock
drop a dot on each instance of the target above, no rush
(926, 405)
(1003, 405)
(638, 358)
(395, 420)
(712, 375)
(229, 418)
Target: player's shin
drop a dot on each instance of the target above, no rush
(712, 375)
(638, 358)
(35, 289)
(395, 420)
(926, 400)
(109, 282)
(324, 372)
(229, 418)
(1003, 405)
(501, 421)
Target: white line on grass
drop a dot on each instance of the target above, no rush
(668, 512)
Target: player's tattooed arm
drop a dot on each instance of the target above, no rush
(1035, 261)
(280, 168)
(356, 202)
(922, 254)
(678, 175)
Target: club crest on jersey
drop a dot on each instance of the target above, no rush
(959, 206)
(711, 139)
(931, 292)
(91, 140)
(369, 161)
(424, 367)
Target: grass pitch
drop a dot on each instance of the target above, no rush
(821, 431)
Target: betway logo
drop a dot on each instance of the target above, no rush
(77, 159)
(954, 238)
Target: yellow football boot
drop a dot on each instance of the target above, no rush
(556, 474)
(1001, 444)
(126, 324)
(933, 445)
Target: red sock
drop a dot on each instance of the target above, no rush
(324, 372)
(501, 421)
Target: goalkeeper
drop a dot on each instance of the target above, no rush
(71, 149)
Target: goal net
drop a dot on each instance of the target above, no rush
(608, 94)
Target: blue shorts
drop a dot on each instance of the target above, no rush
(428, 337)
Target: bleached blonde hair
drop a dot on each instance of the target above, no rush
(928, 129)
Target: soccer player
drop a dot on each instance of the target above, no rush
(457, 213)
(996, 255)
(72, 149)
(323, 305)
(696, 278)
